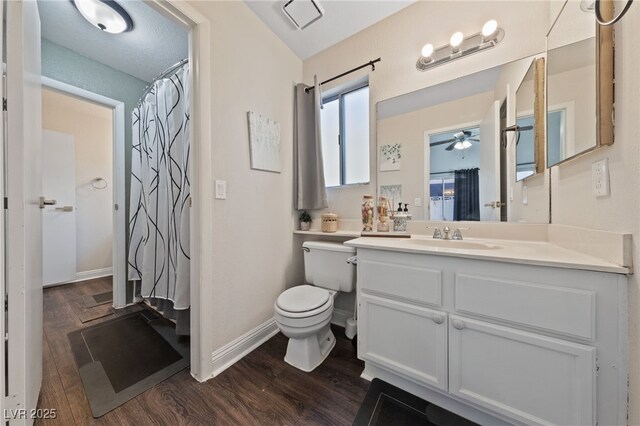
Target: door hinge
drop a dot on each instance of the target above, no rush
(6, 203)
(597, 366)
(4, 104)
(116, 207)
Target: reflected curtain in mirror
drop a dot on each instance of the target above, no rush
(309, 182)
(466, 205)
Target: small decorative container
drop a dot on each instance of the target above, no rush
(304, 226)
(383, 207)
(367, 213)
(329, 222)
(400, 222)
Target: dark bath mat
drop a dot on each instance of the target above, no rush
(387, 405)
(92, 300)
(123, 357)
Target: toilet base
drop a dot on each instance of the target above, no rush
(307, 353)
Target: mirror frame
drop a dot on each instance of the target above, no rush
(604, 84)
(605, 78)
(539, 117)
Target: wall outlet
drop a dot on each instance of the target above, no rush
(417, 202)
(600, 178)
(221, 189)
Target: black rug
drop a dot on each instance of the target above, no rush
(92, 300)
(387, 405)
(123, 357)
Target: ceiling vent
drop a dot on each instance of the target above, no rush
(303, 13)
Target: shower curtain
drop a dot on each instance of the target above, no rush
(159, 209)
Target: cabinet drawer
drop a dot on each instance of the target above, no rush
(535, 379)
(557, 309)
(413, 283)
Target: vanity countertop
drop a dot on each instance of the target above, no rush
(511, 251)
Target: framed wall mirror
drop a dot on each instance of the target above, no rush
(579, 83)
(440, 151)
(529, 130)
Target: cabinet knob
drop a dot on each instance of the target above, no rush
(458, 324)
(438, 319)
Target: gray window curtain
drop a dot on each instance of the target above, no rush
(310, 189)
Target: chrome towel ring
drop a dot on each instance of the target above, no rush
(99, 183)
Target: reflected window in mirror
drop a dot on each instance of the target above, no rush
(345, 137)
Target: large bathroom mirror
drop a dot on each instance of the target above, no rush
(579, 83)
(529, 130)
(440, 150)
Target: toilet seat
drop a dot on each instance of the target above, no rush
(303, 302)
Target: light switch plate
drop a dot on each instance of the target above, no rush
(417, 202)
(525, 195)
(600, 178)
(221, 189)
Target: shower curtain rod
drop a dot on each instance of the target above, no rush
(368, 64)
(163, 74)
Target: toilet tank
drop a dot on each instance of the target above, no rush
(325, 265)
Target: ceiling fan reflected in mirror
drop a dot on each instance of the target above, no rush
(460, 140)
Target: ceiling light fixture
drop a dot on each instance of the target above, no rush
(460, 46)
(107, 15)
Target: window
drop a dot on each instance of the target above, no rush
(345, 137)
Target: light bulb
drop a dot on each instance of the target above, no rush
(459, 145)
(489, 28)
(456, 39)
(427, 50)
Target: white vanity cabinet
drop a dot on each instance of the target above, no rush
(496, 341)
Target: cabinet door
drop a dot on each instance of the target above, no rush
(407, 339)
(528, 377)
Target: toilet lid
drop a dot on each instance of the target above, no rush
(302, 298)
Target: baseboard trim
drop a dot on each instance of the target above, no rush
(340, 317)
(85, 276)
(234, 351)
(90, 275)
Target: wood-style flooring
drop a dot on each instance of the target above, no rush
(260, 389)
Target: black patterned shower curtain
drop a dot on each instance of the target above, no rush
(159, 211)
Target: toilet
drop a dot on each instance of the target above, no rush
(303, 313)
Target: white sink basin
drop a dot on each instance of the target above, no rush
(453, 244)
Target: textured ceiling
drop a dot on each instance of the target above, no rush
(154, 44)
(341, 20)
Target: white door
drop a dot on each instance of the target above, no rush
(59, 220)
(23, 239)
(490, 164)
(534, 379)
(408, 339)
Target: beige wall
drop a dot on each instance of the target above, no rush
(398, 39)
(91, 125)
(573, 203)
(252, 259)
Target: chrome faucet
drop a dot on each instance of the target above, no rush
(457, 235)
(446, 231)
(437, 235)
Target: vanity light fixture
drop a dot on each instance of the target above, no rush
(106, 15)
(460, 46)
